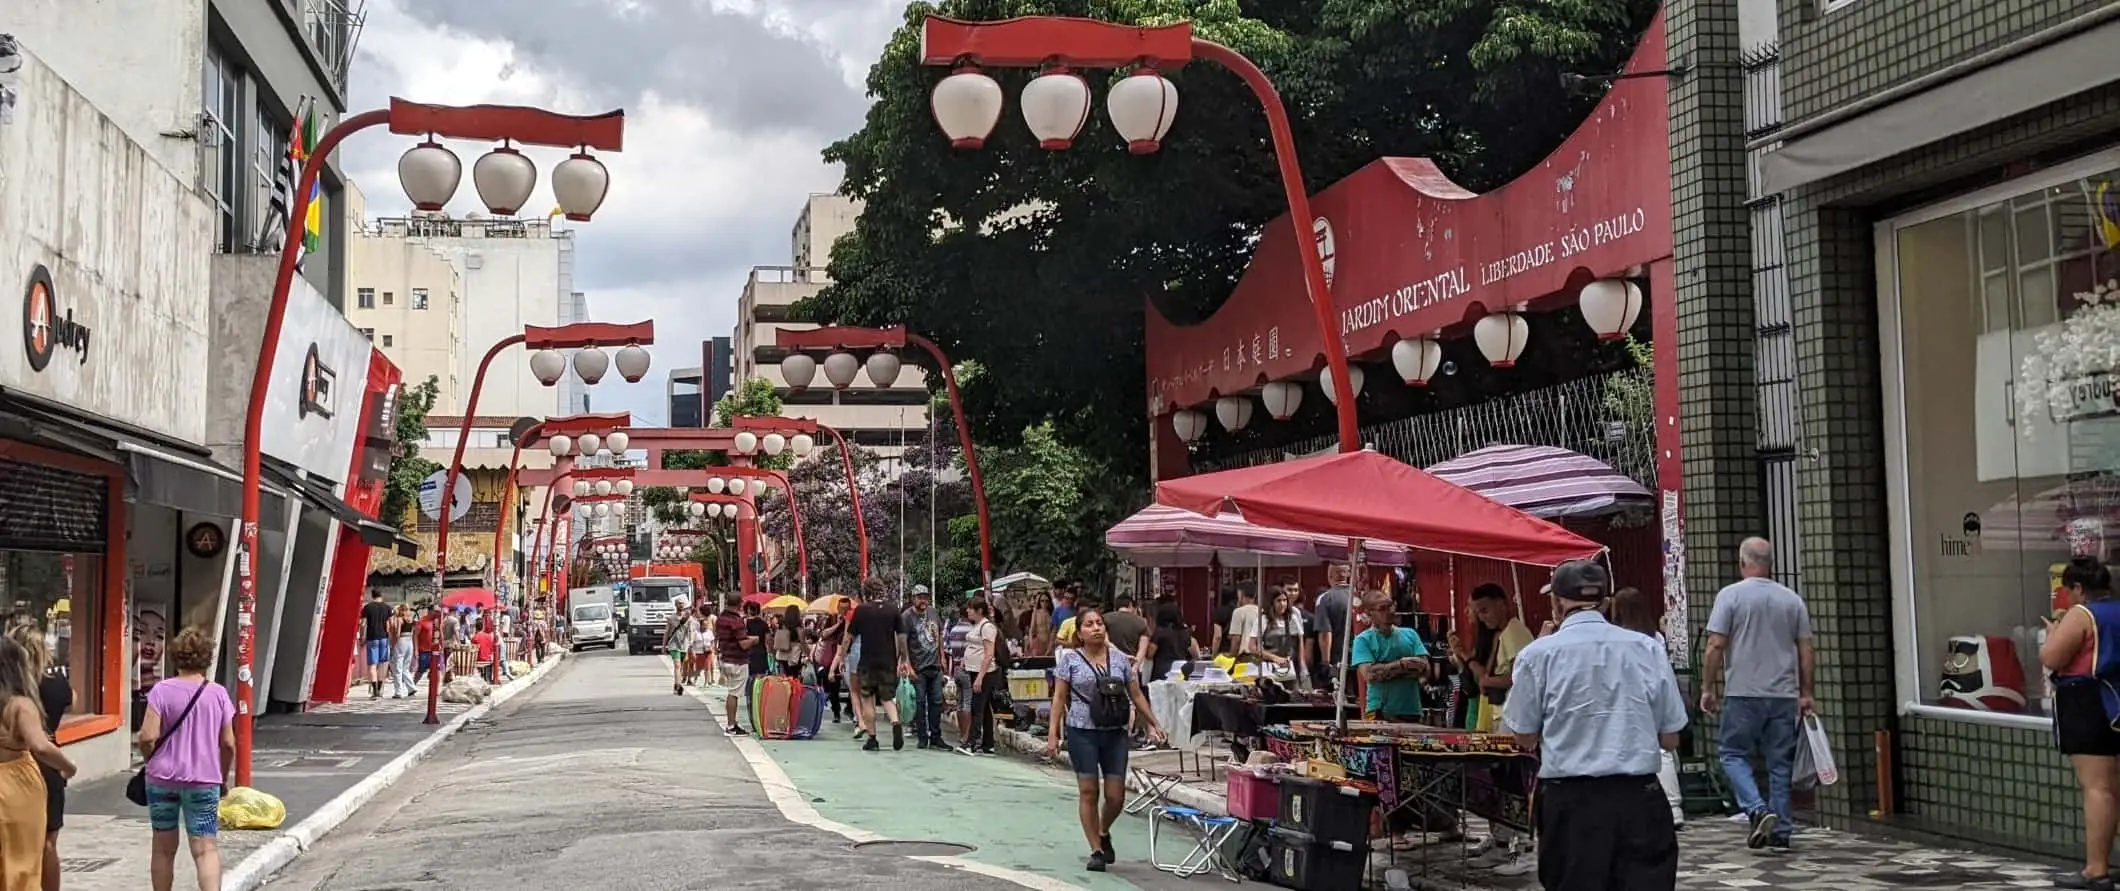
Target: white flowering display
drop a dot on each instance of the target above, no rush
(2073, 368)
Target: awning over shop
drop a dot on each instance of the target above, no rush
(1168, 536)
(1544, 481)
(160, 471)
(323, 496)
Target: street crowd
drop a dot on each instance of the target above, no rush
(399, 648)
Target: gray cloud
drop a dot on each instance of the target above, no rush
(745, 75)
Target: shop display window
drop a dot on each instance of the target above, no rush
(2007, 315)
(62, 594)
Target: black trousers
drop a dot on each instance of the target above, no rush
(1605, 834)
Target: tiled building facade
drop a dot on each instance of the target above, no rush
(1883, 212)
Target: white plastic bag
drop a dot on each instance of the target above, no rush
(1814, 756)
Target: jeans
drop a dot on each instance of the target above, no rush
(401, 665)
(1765, 727)
(927, 717)
(983, 713)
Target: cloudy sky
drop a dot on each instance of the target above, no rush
(728, 104)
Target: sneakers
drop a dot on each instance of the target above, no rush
(2079, 880)
(871, 745)
(1096, 862)
(734, 730)
(1778, 844)
(860, 733)
(1520, 863)
(1109, 853)
(1492, 856)
(897, 737)
(1762, 829)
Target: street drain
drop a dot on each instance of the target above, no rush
(1938, 876)
(914, 848)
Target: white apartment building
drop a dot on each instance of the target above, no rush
(406, 297)
(885, 419)
(509, 273)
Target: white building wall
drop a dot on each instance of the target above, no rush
(387, 272)
(137, 61)
(511, 273)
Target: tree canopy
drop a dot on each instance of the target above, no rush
(407, 469)
(1036, 264)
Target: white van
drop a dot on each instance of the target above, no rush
(591, 621)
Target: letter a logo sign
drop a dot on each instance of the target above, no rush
(38, 334)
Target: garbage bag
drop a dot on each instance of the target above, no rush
(518, 667)
(247, 808)
(466, 689)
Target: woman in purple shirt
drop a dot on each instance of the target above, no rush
(188, 738)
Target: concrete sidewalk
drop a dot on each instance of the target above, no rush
(323, 764)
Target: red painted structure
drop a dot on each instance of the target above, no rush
(1415, 255)
(347, 579)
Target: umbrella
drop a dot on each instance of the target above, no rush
(476, 598)
(830, 604)
(761, 598)
(783, 602)
(1168, 536)
(1544, 481)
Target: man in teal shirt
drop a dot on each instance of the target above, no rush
(1393, 661)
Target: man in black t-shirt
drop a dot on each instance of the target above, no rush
(754, 627)
(375, 640)
(881, 631)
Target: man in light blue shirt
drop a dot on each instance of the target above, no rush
(1599, 703)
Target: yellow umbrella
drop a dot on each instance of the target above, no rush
(783, 602)
(830, 604)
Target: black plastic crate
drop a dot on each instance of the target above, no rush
(1301, 861)
(1326, 811)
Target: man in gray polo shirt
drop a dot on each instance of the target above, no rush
(1761, 631)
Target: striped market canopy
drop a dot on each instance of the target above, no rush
(1168, 536)
(1544, 481)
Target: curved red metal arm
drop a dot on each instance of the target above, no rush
(515, 458)
(456, 462)
(802, 548)
(861, 523)
(971, 458)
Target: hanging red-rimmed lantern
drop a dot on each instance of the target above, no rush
(1142, 107)
(1055, 105)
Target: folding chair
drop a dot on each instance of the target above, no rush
(1154, 788)
(1210, 836)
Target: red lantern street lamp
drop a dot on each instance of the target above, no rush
(842, 338)
(799, 432)
(1141, 108)
(754, 480)
(430, 175)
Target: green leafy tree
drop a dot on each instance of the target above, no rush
(407, 468)
(1049, 503)
(1037, 264)
(755, 397)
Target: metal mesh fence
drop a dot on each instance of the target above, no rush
(1610, 417)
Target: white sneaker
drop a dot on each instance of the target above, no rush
(1521, 863)
(1494, 856)
(1476, 851)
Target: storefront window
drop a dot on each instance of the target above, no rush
(62, 594)
(2014, 300)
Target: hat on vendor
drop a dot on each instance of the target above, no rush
(1582, 581)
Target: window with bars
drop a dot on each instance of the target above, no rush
(220, 123)
(1774, 344)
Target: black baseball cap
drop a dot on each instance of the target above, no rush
(1582, 580)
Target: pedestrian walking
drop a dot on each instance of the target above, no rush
(953, 665)
(732, 654)
(427, 638)
(1756, 673)
(923, 644)
(188, 741)
(1329, 626)
(831, 655)
(1643, 613)
(402, 651)
(375, 640)
(2083, 729)
(33, 771)
(881, 635)
(983, 658)
(1097, 695)
(1599, 706)
(789, 648)
(1493, 667)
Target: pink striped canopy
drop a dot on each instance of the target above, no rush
(1544, 481)
(1169, 536)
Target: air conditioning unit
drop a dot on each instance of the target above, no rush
(474, 260)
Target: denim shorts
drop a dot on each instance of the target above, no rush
(1097, 754)
(379, 652)
(197, 808)
(964, 692)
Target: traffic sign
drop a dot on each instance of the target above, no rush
(431, 496)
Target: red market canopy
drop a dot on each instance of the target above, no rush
(1368, 495)
(475, 598)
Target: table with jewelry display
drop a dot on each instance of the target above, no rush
(1420, 768)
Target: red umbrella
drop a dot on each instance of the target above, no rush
(1368, 495)
(476, 598)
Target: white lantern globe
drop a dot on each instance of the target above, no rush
(602, 510)
(1188, 424)
(624, 488)
(798, 369)
(504, 178)
(966, 105)
(548, 366)
(1141, 107)
(617, 442)
(1417, 359)
(590, 364)
(800, 445)
(1354, 377)
(1501, 337)
(1282, 399)
(773, 443)
(561, 445)
(1055, 105)
(746, 442)
(603, 488)
(1610, 306)
(1234, 412)
(696, 509)
(717, 485)
(430, 174)
(590, 444)
(581, 488)
(581, 509)
(840, 369)
(580, 183)
(633, 361)
(883, 369)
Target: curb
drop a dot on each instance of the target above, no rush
(261, 864)
(1211, 803)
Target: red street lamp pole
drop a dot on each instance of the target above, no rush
(968, 109)
(802, 550)
(843, 337)
(515, 458)
(761, 426)
(486, 123)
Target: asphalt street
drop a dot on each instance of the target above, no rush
(597, 778)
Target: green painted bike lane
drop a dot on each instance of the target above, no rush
(1020, 815)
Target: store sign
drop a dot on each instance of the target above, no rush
(206, 541)
(318, 383)
(46, 328)
(2088, 397)
(306, 421)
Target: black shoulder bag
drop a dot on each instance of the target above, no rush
(1110, 700)
(136, 788)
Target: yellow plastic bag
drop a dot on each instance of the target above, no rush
(247, 808)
